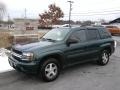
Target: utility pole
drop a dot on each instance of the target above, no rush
(8, 21)
(25, 14)
(25, 18)
(70, 12)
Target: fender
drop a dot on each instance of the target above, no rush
(51, 53)
(105, 45)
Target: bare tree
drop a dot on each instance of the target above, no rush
(55, 13)
(51, 16)
(2, 10)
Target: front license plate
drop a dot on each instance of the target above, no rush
(11, 64)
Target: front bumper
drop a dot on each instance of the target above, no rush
(26, 67)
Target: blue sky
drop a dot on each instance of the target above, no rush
(81, 9)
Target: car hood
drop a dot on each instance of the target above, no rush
(32, 46)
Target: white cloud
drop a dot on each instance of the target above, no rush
(34, 7)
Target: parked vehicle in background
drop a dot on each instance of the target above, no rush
(65, 25)
(114, 30)
(63, 47)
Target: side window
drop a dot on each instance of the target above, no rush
(92, 34)
(104, 33)
(79, 35)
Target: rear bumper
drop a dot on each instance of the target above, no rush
(112, 50)
(30, 67)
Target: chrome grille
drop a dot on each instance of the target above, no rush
(16, 58)
(17, 51)
(16, 54)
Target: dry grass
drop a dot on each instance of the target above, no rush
(5, 39)
(25, 39)
(40, 34)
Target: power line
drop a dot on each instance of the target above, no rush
(98, 12)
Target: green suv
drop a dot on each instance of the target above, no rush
(60, 48)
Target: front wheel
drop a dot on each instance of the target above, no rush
(50, 70)
(104, 58)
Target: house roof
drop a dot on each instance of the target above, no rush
(115, 21)
(23, 19)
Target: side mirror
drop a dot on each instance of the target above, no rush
(72, 41)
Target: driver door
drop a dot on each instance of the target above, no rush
(76, 52)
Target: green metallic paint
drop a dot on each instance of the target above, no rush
(72, 54)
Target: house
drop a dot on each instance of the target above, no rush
(26, 24)
(115, 22)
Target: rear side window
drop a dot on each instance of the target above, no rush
(92, 34)
(80, 35)
(104, 33)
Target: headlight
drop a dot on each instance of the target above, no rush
(27, 56)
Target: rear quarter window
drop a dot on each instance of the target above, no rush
(92, 34)
(104, 33)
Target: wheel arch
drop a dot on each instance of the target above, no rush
(59, 57)
(108, 48)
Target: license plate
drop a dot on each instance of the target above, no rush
(11, 64)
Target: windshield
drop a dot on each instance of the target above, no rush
(56, 34)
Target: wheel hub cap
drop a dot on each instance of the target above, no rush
(105, 57)
(51, 70)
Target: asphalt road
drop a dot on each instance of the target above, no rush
(87, 76)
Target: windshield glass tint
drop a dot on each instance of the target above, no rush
(56, 34)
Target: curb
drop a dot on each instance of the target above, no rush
(6, 71)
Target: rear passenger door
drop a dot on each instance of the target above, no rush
(93, 44)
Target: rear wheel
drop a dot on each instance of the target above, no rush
(104, 57)
(50, 70)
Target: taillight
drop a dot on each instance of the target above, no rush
(115, 44)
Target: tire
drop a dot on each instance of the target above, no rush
(50, 70)
(104, 58)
